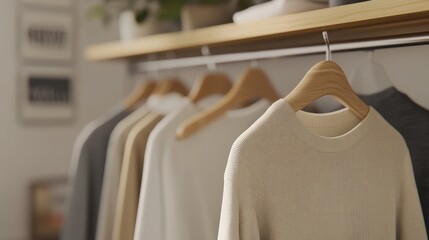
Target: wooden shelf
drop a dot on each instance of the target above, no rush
(362, 21)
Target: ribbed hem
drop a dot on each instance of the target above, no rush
(329, 120)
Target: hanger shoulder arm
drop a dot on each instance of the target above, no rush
(202, 119)
(212, 83)
(326, 78)
(140, 93)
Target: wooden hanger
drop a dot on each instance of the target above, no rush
(326, 78)
(140, 93)
(209, 84)
(170, 85)
(253, 83)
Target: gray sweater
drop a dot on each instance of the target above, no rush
(88, 160)
(412, 121)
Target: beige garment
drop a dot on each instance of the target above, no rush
(131, 175)
(320, 176)
(112, 172)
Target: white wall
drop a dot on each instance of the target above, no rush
(406, 67)
(32, 152)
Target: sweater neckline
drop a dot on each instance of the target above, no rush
(300, 122)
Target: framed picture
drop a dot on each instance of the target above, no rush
(48, 206)
(46, 36)
(50, 3)
(45, 94)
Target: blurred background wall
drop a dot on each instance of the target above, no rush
(29, 152)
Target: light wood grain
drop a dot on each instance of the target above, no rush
(354, 16)
(209, 84)
(139, 94)
(170, 85)
(326, 78)
(252, 84)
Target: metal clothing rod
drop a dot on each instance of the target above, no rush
(267, 54)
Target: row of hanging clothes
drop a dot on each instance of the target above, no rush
(238, 161)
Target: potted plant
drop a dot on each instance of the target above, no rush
(204, 13)
(143, 17)
(137, 18)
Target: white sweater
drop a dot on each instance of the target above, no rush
(320, 176)
(181, 190)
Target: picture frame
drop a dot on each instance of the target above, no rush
(46, 36)
(48, 207)
(46, 94)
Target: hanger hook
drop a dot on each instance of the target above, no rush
(205, 51)
(328, 46)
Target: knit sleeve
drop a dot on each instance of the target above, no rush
(229, 220)
(410, 223)
(238, 219)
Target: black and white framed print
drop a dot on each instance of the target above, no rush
(46, 94)
(46, 36)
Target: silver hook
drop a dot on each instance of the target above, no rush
(205, 51)
(328, 46)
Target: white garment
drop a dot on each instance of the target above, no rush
(115, 154)
(133, 163)
(181, 191)
(112, 171)
(320, 176)
(276, 8)
(164, 104)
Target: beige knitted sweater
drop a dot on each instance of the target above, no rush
(329, 176)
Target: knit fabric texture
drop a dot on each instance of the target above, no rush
(412, 121)
(302, 176)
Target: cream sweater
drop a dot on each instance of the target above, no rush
(181, 190)
(320, 176)
(112, 172)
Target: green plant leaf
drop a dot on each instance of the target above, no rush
(141, 15)
(170, 9)
(99, 12)
(96, 11)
